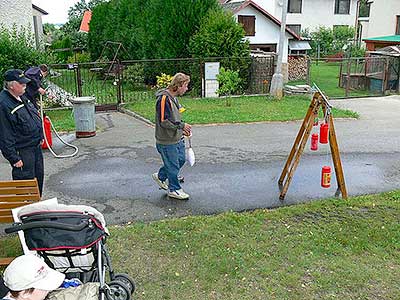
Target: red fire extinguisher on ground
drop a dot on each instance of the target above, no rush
(47, 133)
(326, 177)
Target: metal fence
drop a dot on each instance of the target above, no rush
(126, 81)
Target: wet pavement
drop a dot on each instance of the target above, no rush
(237, 165)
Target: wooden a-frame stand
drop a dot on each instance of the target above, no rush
(318, 100)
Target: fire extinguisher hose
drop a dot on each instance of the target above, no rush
(58, 136)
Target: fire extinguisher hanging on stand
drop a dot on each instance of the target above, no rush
(324, 139)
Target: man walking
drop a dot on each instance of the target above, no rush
(20, 129)
(170, 130)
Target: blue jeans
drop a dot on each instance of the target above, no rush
(173, 157)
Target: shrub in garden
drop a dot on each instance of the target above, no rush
(83, 57)
(134, 76)
(163, 80)
(229, 83)
(17, 49)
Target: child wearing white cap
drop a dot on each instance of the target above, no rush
(29, 278)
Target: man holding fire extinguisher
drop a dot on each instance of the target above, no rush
(21, 131)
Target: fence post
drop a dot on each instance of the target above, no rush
(309, 71)
(202, 83)
(385, 76)
(348, 77)
(78, 80)
(118, 80)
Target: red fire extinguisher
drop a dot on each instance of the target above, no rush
(47, 132)
(323, 133)
(326, 177)
(314, 142)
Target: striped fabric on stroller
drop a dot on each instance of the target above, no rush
(71, 239)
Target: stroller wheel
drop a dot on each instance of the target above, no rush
(117, 290)
(124, 278)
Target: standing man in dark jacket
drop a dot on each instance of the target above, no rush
(21, 131)
(169, 136)
(35, 86)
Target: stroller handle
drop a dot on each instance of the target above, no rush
(46, 224)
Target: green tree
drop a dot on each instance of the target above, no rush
(149, 29)
(330, 41)
(75, 16)
(219, 36)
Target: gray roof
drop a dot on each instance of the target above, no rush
(231, 6)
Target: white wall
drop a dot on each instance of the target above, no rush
(17, 12)
(314, 13)
(268, 5)
(382, 19)
(266, 31)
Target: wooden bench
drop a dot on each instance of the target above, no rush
(14, 194)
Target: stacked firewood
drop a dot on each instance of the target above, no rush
(297, 67)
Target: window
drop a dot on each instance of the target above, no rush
(338, 27)
(294, 6)
(248, 23)
(397, 24)
(296, 28)
(342, 7)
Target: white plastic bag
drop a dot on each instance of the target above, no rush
(190, 157)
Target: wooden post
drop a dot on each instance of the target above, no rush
(348, 77)
(385, 76)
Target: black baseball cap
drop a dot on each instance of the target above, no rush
(16, 75)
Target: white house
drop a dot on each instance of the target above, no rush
(22, 13)
(262, 29)
(311, 14)
(383, 20)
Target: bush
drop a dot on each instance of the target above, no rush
(17, 50)
(62, 49)
(357, 51)
(83, 57)
(229, 83)
(163, 80)
(134, 76)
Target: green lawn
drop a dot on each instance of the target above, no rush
(62, 119)
(330, 249)
(242, 109)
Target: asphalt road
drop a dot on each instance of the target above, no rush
(237, 166)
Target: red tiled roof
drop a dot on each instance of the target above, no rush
(87, 16)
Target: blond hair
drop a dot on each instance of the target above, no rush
(178, 80)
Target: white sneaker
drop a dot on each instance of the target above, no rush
(161, 184)
(178, 194)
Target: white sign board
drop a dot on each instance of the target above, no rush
(211, 70)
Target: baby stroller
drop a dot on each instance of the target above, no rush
(71, 239)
